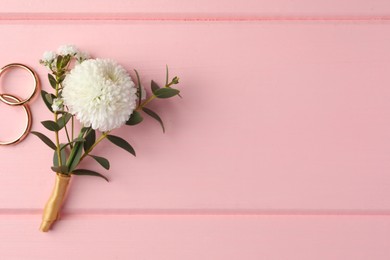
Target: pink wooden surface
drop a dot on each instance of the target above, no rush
(195, 9)
(199, 237)
(278, 150)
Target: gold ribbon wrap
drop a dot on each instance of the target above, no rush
(54, 204)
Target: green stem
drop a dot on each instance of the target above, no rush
(72, 127)
(56, 132)
(67, 137)
(101, 138)
(143, 104)
(74, 150)
(57, 142)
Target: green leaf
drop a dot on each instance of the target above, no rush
(45, 139)
(167, 75)
(155, 116)
(65, 61)
(102, 161)
(135, 118)
(47, 99)
(52, 80)
(62, 121)
(51, 125)
(121, 143)
(139, 88)
(63, 155)
(76, 140)
(76, 158)
(84, 129)
(89, 173)
(60, 169)
(59, 61)
(61, 79)
(76, 152)
(166, 92)
(154, 86)
(89, 140)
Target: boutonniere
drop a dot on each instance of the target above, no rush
(101, 96)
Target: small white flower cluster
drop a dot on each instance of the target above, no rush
(67, 50)
(49, 57)
(57, 105)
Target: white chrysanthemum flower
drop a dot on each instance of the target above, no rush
(100, 93)
(67, 50)
(48, 56)
(57, 105)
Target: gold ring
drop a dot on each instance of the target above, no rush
(16, 101)
(28, 124)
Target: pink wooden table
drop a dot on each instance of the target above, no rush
(279, 149)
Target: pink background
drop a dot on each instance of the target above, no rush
(279, 148)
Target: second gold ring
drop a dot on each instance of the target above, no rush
(27, 125)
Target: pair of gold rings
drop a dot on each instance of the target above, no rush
(12, 100)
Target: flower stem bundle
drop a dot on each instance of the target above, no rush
(53, 205)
